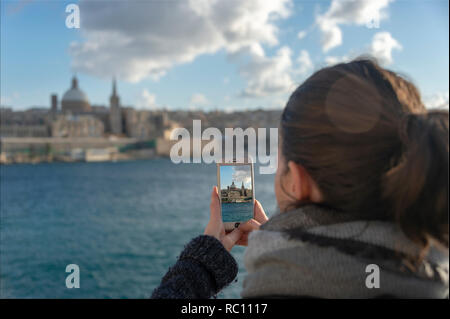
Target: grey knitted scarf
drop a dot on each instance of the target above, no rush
(317, 252)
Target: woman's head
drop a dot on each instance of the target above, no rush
(356, 137)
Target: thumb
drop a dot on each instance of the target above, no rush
(214, 207)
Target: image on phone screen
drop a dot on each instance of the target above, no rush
(236, 193)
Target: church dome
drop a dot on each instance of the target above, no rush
(74, 93)
(75, 100)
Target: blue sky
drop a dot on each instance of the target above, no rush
(212, 55)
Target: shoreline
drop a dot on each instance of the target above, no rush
(37, 162)
(69, 150)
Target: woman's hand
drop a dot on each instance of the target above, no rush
(253, 224)
(215, 226)
(239, 235)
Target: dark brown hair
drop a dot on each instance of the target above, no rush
(373, 149)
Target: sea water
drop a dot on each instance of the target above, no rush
(237, 212)
(122, 223)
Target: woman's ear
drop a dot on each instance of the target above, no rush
(301, 185)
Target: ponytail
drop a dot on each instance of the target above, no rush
(417, 187)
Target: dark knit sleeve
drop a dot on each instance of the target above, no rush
(202, 270)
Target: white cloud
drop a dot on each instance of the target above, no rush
(198, 100)
(304, 61)
(382, 46)
(276, 75)
(332, 60)
(301, 34)
(331, 35)
(268, 75)
(242, 174)
(140, 39)
(437, 100)
(4, 100)
(278, 103)
(146, 100)
(9, 99)
(347, 12)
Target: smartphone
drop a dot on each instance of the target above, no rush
(236, 193)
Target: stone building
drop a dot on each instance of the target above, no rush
(28, 123)
(235, 194)
(24, 130)
(77, 126)
(144, 124)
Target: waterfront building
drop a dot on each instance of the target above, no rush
(28, 123)
(16, 130)
(235, 194)
(77, 126)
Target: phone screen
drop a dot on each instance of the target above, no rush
(236, 193)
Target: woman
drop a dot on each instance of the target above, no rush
(361, 185)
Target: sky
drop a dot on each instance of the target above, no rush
(226, 55)
(238, 174)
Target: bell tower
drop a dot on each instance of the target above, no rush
(115, 112)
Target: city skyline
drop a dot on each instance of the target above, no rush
(208, 70)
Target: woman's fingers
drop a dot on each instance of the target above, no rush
(232, 238)
(243, 241)
(246, 229)
(250, 226)
(260, 215)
